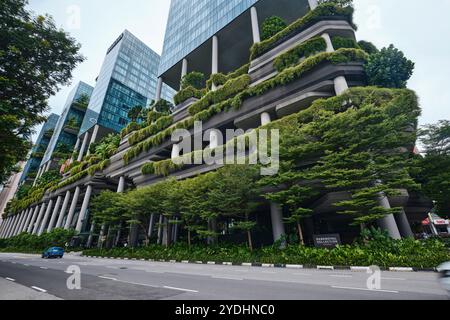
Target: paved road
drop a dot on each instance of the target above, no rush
(103, 279)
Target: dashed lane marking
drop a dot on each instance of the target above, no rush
(181, 289)
(39, 289)
(10, 279)
(365, 289)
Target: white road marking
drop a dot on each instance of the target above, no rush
(180, 289)
(399, 279)
(10, 279)
(26, 265)
(108, 278)
(45, 268)
(39, 289)
(227, 278)
(340, 276)
(138, 284)
(302, 274)
(364, 289)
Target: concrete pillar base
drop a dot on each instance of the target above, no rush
(340, 85)
(276, 214)
(403, 225)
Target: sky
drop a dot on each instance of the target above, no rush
(417, 28)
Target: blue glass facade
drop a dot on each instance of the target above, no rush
(66, 131)
(40, 147)
(127, 78)
(192, 22)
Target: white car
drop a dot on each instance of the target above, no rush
(444, 271)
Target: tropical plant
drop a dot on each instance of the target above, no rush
(193, 79)
(389, 68)
(271, 26)
(135, 113)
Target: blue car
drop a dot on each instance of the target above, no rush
(54, 252)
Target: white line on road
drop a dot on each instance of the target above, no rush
(39, 289)
(26, 265)
(399, 279)
(108, 278)
(137, 284)
(10, 279)
(44, 268)
(181, 289)
(302, 274)
(227, 278)
(340, 276)
(364, 289)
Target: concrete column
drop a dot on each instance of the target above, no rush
(83, 147)
(63, 210)
(3, 227)
(84, 208)
(39, 218)
(340, 85)
(16, 224)
(20, 222)
(54, 214)
(184, 68)
(100, 237)
(33, 219)
(93, 138)
(72, 209)
(158, 90)
(121, 186)
(388, 222)
(265, 119)
(276, 214)
(328, 41)
(255, 25)
(175, 151)
(46, 217)
(49, 164)
(213, 139)
(313, 4)
(91, 236)
(27, 220)
(403, 224)
(10, 227)
(215, 58)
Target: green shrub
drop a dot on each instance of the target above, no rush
(187, 93)
(271, 26)
(220, 79)
(321, 12)
(133, 126)
(304, 50)
(389, 68)
(229, 89)
(160, 124)
(26, 242)
(368, 47)
(341, 42)
(193, 79)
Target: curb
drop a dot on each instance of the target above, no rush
(279, 266)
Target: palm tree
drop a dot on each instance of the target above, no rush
(135, 113)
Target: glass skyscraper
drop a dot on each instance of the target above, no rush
(128, 78)
(68, 127)
(39, 148)
(192, 22)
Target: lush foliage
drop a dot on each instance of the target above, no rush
(367, 46)
(187, 93)
(160, 124)
(193, 79)
(303, 50)
(323, 10)
(220, 79)
(341, 42)
(271, 26)
(402, 253)
(35, 57)
(389, 68)
(26, 242)
(432, 168)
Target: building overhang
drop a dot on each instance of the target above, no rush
(235, 40)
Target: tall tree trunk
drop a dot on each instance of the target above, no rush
(250, 242)
(189, 239)
(119, 234)
(300, 234)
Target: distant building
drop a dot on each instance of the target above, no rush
(66, 132)
(9, 190)
(128, 78)
(37, 152)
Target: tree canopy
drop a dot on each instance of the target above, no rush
(36, 58)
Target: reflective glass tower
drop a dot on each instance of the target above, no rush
(128, 78)
(192, 22)
(68, 127)
(39, 148)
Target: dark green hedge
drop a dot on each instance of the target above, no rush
(323, 11)
(187, 93)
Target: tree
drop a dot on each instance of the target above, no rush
(389, 68)
(35, 58)
(135, 113)
(82, 102)
(432, 168)
(368, 47)
(271, 26)
(193, 79)
(162, 106)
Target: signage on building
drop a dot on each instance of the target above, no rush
(327, 240)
